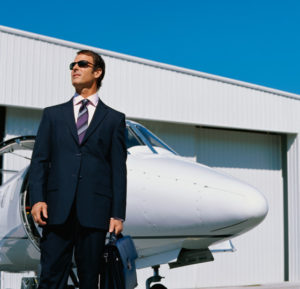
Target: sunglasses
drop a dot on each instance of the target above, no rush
(81, 63)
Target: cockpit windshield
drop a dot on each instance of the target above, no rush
(137, 134)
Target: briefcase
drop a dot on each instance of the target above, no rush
(118, 263)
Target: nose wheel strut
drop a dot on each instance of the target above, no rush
(155, 278)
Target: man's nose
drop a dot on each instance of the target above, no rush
(75, 67)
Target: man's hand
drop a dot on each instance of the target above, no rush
(115, 225)
(38, 211)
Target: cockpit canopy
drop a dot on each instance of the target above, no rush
(138, 135)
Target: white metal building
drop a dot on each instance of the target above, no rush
(249, 131)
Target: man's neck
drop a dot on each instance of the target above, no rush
(86, 92)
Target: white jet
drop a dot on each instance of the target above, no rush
(178, 210)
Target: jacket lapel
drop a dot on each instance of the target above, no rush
(99, 114)
(70, 118)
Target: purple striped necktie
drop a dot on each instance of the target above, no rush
(82, 120)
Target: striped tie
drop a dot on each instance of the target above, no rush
(82, 120)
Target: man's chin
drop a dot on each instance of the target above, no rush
(77, 84)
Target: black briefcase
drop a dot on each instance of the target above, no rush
(118, 263)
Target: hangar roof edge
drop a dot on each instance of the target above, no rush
(148, 62)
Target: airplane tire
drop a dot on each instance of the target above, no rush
(158, 286)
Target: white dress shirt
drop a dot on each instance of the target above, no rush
(93, 102)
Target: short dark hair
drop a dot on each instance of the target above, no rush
(98, 63)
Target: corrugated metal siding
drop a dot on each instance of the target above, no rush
(40, 70)
(35, 73)
(256, 159)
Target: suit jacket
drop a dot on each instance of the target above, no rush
(94, 171)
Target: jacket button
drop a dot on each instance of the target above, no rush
(80, 177)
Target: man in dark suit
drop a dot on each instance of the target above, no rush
(77, 179)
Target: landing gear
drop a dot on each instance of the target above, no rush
(155, 278)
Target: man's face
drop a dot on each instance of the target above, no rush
(84, 77)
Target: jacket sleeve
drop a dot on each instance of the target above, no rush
(119, 170)
(39, 166)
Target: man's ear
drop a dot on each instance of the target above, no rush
(98, 72)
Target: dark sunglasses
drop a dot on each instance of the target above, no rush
(81, 63)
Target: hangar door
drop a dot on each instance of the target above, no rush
(256, 159)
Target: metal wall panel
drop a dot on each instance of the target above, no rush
(35, 73)
(140, 88)
(256, 159)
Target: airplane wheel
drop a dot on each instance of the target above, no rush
(158, 286)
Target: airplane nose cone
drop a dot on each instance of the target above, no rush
(227, 204)
(256, 203)
(240, 207)
(255, 207)
(193, 199)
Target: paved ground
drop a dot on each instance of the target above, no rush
(285, 285)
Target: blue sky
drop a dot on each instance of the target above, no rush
(250, 40)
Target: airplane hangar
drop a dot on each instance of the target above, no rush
(245, 130)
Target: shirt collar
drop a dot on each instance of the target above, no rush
(94, 99)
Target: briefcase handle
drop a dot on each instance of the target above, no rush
(113, 238)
